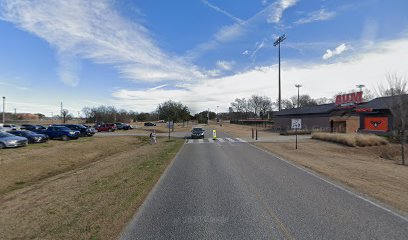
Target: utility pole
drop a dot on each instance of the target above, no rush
(15, 114)
(278, 43)
(298, 87)
(4, 109)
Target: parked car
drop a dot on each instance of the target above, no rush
(108, 127)
(32, 137)
(33, 128)
(149, 124)
(8, 140)
(8, 127)
(197, 133)
(83, 131)
(59, 132)
(122, 126)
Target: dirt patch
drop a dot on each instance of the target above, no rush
(92, 201)
(359, 167)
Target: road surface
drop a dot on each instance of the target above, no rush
(232, 190)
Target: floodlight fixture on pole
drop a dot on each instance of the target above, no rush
(298, 87)
(4, 109)
(360, 86)
(278, 43)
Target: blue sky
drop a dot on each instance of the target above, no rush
(204, 53)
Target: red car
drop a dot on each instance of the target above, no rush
(108, 127)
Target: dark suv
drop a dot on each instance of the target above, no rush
(122, 126)
(83, 131)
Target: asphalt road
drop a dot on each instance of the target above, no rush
(235, 191)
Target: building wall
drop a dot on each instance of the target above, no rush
(309, 122)
(352, 123)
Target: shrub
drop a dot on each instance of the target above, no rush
(351, 139)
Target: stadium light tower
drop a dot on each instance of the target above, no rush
(298, 87)
(278, 43)
(360, 86)
(4, 109)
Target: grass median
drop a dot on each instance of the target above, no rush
(91, 197)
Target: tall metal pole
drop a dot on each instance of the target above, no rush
(4, 109)
(298, 87)
(278, 43)
(280, 104)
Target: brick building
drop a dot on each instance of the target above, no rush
(343, 116)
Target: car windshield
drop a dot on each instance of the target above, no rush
(60, 128)
(4, 134)
(198, 130)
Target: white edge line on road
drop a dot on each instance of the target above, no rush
(241, 140)
(149, 196)
(334, 184)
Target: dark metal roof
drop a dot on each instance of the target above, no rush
(319, 109)
(382, 102)
(376, 104)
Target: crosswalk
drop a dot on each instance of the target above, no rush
(217, 140)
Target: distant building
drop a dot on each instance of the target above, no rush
(347, 115)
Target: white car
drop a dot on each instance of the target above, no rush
(8, 127)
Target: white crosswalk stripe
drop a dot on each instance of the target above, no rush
(217, 140)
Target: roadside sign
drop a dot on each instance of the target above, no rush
(214, 134)
(296, 123)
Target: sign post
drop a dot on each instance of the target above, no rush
(296, 124)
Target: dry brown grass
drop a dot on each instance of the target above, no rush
(361, 168)
(351, 139)
(243, 130)
(94, 200)
(23, 166)
(371, 170)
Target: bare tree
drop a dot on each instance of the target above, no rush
(65, 115)
(396, 90)
(265, 106)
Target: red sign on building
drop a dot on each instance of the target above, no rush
(350, 98)
(376, 123)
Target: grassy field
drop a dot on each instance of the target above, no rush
(85, 189)
(372, 170)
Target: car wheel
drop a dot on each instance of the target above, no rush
(64, 138)
(2, 145)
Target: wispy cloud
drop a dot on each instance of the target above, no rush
(319, 80)
(15, 86)
(94, 30)
(337, 51)
(271, 13)
(316, 16)
(157, 87)
(279, 8)
(218, 9)
(225, 65)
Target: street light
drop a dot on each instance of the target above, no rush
(4, 109)
(298, 87)
(277, 43)
(360, 86)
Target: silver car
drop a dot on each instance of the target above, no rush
(8, 140)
